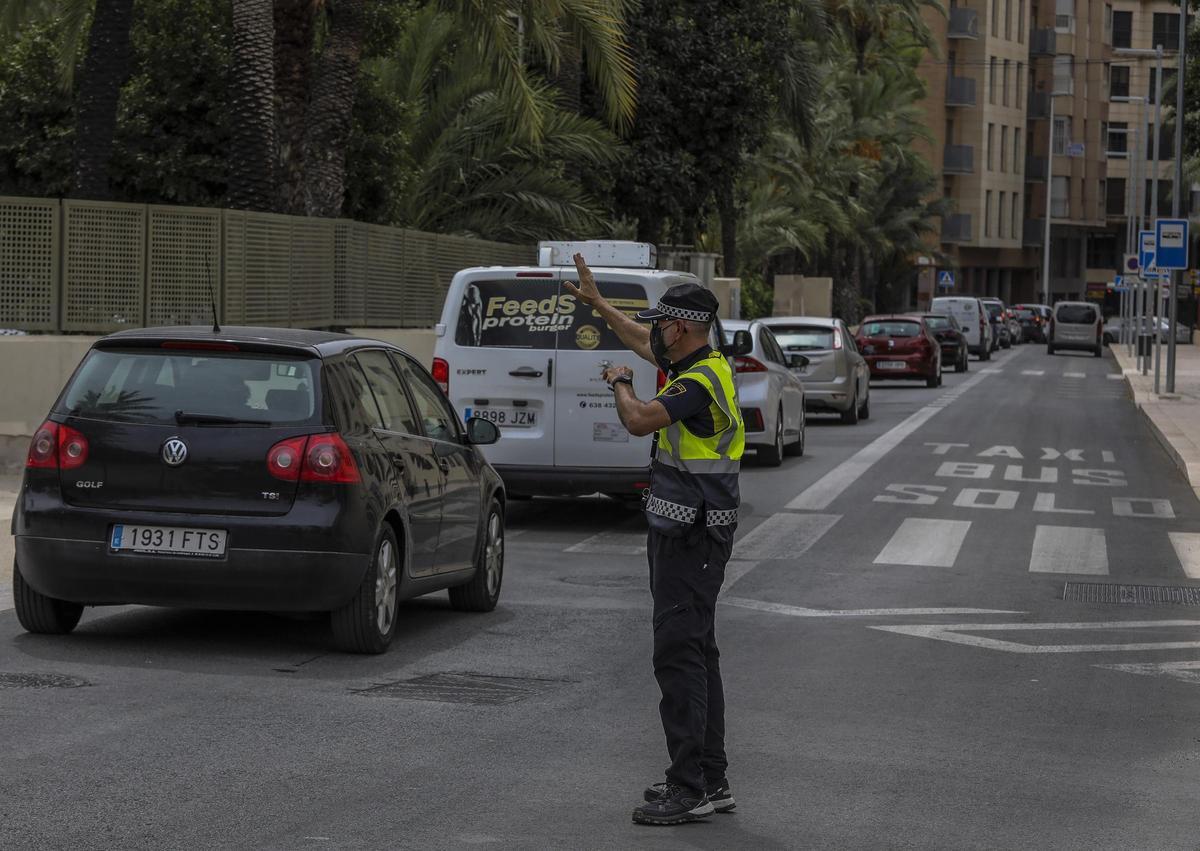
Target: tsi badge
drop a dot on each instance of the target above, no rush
(174, 452)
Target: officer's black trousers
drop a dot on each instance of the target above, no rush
(685, 578)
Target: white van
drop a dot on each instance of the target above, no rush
(1075, 325)
(973, 317)
(516, 348)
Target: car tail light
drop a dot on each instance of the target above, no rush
(661, 381)
(200, 345)
(286, 458)
(745, 364)
(57, 446)
(837, 340)
(328, 459)
(441, 374)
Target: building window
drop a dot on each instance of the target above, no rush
(1062, 134)
(1020, 84)
(1164, 197)
(1000, 215)
(1064, 74)
(1108, 21)
(1021, 22)
(1008, 19)
(1016, 150)
(1166, 143)
(987, 211)
(1003, 150)
(996, 18)
(1004, 85)
(1114, 196)
(1064, 16)
(990, 134)
(992, 79)
(1166, 31)
(1060, 198)
(1122, 29)
(1016, 227)
(1117, 135)
(1168, 84)
(1118, 81)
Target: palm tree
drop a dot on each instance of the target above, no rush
(865, 22)
(252, 101)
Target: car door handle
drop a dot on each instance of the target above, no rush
(443, 464)
(526, 372)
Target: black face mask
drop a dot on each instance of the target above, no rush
(658, 346)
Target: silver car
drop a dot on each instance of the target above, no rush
(770, 394)
(836, 378)
(1076, 325)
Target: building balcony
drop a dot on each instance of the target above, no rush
(1034, 233)
(958, 159)
(960, 91)
(1038, 107)
(1042, 42)
(1035, 169)
(964, 23)
(956, 228)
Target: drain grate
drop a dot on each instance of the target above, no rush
(472, 689)
(41, 681)
(1107, 592)
(606, 580)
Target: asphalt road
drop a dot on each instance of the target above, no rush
(901, 667)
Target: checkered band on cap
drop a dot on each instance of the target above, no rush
(671, 510)
(723, 518)
(682, 313)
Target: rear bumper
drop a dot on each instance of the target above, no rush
(913, 369)
(824, 396)
(278, 580)
(1078, 345)
(572, 481)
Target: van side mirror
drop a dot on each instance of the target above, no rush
(797, 361)
(481, 432)
(742, 344)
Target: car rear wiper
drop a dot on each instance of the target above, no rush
(183, 417)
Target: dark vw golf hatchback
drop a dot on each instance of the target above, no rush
(260, 469)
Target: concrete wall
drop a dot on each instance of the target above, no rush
(33, 370)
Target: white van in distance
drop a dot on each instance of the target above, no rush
(516, 348)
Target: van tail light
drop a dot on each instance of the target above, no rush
(313, 458)
(744, 364)
(57, 446)
(441, 374)
(661, 381)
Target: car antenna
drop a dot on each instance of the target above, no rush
(212, 294)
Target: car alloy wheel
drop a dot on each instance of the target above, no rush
(385, 587)
(493, 554)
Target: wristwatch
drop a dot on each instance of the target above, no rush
(620, 379)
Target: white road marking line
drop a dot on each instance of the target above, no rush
(1115, 376)
(821, 494)
(735, 569)
(611, 543)
(1074, 375)
(784, 536)
(1108, 456)
(954, 633)
(802, 612)
(1189, 672)
(1069, 549)
(1187, 547)
(991, 371)
(1033, 372)
(924, 542)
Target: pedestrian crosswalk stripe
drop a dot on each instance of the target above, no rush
(1187, 547)
(1074, 375)
(1115, 376)
(784, 535)
(925, 542)
(1033, 372)
(612, 543)
(1069, 549)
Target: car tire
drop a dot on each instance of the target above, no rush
(41, 614)
(1098, 351)
(985, 355)
(483, 591)
(850, 415)
(1108, 339)
(934, 380)
(797, 449)
(772, 455)
(864, 410)
(1049, 349)
(367, 623)
(961, 364)
(1006, 344)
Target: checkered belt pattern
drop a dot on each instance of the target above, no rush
(723, 518)
(671, 510)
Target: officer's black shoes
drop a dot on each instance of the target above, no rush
(719, 795)
(675, 805)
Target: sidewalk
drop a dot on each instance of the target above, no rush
(1174, 419)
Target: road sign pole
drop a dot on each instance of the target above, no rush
(1158, 304)
(1177, 206)
(1049, 192)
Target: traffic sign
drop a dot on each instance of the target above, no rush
(1119, 282)
(1075, 149)
(1131, 264)
(1146, 252)
(945, 280)
(1171, 244)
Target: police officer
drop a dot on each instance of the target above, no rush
(692, 510)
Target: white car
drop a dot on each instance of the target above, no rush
(515, 348)
(770, 394)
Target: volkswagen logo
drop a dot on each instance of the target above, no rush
(174, 452)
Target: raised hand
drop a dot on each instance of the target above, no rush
(586, 290)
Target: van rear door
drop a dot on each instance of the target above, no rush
(500, 362)
(588, 432)
(966, 311)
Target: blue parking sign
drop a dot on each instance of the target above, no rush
(1171, 244)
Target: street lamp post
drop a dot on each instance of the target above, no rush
(1177, 196)
(1141, 362)
(1049, 192)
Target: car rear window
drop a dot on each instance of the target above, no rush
(1075, 314)
(938, 323)
(151, 385)
(993, 309)
(538, 314)
(891, 328)
(1024, 313)
(798, 338)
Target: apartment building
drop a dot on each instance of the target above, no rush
(1003, 64)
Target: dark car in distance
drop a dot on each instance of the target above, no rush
(900, 347)
(950, 337)
(257, 469)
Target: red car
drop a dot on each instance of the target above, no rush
(900, 347)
